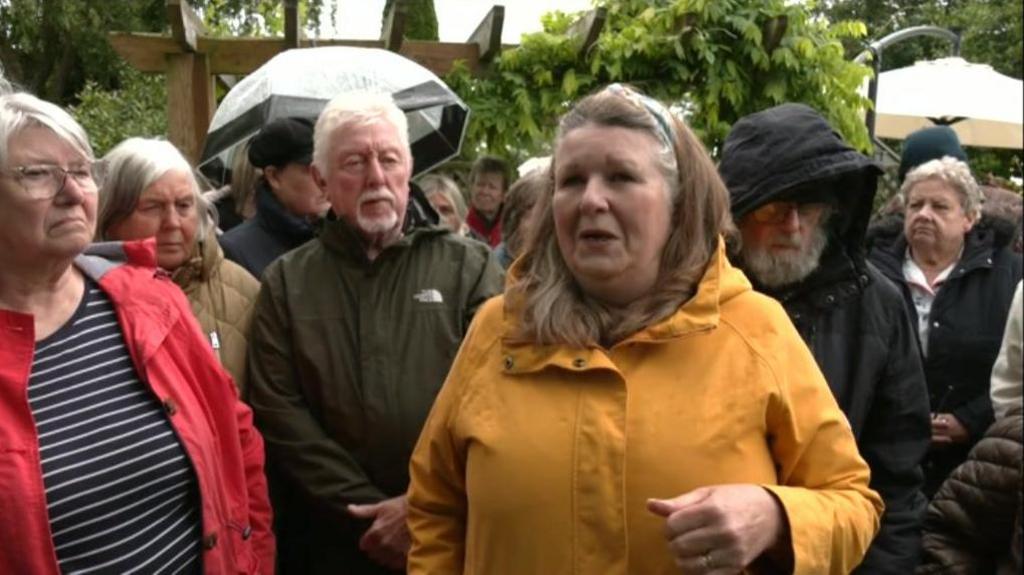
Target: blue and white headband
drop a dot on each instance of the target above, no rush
(662, 117)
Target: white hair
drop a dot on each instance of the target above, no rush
(130, 168)
(953, 172)
(21, 110)
(356, 108)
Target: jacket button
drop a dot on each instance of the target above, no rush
(830, 298)
(508, 362)
(210, 541)
(170, 406)
(935, 324)
(579, 362)
(246, 533)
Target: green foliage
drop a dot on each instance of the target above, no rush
(708, 59)
(420, 19)
(137, 108)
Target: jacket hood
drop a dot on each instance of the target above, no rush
(790, 150)
(101, 257)
(720, 283)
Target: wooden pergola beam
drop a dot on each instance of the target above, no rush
(587, 29)
(487, 35)
(240, 56)
(291, 23)
(393, 32)
(190, 102)
(186, 25)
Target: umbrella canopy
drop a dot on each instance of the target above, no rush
(984, 107)
(300, 82)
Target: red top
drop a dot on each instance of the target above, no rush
(478, 225)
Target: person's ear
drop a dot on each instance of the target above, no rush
(318, 178)
(273, 176)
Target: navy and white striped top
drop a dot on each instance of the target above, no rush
(121, 492)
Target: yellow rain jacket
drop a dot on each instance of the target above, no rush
(539, 459)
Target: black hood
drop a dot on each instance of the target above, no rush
(772, 152)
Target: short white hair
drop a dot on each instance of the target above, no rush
(21, 110)
(130, 168)
(356, 108)
(953, 172)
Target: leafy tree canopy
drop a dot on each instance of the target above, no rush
(713, 60)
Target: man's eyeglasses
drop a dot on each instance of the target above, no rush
(44, 181)
(777, 212)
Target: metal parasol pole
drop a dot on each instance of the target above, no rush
(874, 50)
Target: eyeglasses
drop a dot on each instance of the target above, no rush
(777, 212)
(44, 181)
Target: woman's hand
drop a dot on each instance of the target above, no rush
(720, 529)
(947, 430)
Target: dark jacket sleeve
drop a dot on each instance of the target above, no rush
(895, 440)
(976, 415)
(295, 440)
(487, 281)
(970, 522)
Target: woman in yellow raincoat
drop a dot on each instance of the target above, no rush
(631, 405)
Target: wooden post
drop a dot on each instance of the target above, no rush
(186, 25)
(291, 23)
(190, 102)
(488, 34)
(587, 29)
(393, 31)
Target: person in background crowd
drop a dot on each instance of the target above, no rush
(288, 202)
(974, 523)
(802, 199)
(236, 202)
(488, 181)
(123, 446)
(352, 336)
(957, 272)
(929, 144)
(149, 190)
(515, 222)
(443, 194)
(630, 405)
(1007, 388)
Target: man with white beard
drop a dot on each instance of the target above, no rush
(352, 336)
(802, 198)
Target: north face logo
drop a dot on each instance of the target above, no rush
(428, 295)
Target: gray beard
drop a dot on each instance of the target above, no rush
(781, 270)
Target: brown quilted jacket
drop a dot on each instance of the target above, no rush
(973, 525)
(222, 295)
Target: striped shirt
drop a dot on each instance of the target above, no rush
(121, 493)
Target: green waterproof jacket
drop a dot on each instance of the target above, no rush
(346, 356)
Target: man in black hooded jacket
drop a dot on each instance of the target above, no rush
(802, 199)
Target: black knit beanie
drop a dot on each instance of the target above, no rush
(929, 144)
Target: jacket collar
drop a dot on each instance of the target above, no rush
(272, 215)
(145, 315)
(340, 237)
(200, 267)
(701, 313)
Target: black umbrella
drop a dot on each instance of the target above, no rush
(300, 82)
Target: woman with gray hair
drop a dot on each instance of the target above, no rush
(123, 446)
(150, 190)
(957, 272)
(444, 196)
(631, 405)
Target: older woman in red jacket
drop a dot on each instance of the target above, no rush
(123, 446)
